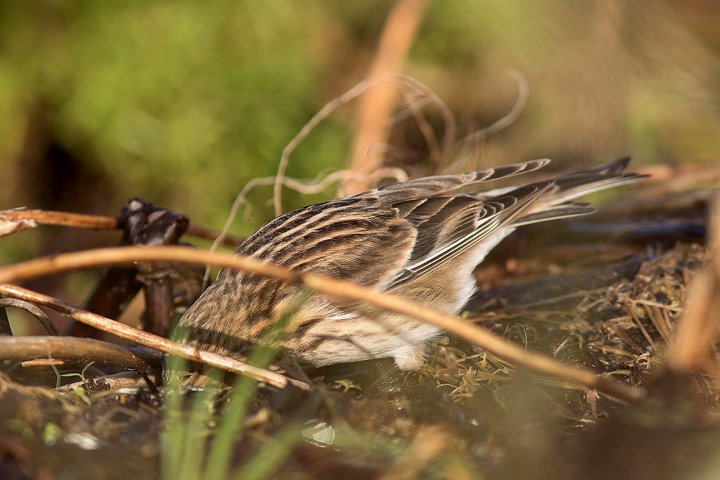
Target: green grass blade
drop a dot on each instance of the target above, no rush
(173, 434)
(267, 460)
(231, 423)
(197, 432)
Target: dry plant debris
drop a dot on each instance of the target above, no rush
(468, 411)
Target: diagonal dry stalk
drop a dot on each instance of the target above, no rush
(148, 339)
(338, 289)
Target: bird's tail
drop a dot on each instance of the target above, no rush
(557, 200)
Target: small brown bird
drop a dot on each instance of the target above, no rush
(419, 239)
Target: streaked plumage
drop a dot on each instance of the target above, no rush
(420, 239)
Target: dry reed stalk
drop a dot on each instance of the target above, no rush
(375, 109)
(148, 339)
(699, 325)
(338, 289)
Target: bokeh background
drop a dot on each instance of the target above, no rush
(183, 102)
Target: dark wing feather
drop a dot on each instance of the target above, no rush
(396, 193)
(443, 220)
(601, 177)
(461, 224)
(368, 238)
(565, 210)
(556, 203)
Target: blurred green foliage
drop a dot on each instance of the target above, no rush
(179, 102)
(183, 102)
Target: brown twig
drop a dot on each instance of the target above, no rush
(4, 323)
(375, 109)
(95, 222)
(70, 349)
(64, 219)
(148, 339)
(32, 310)
(333, 287)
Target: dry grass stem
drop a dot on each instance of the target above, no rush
(345, 98)
(32, 310)
(415, 107)
(508, 119)
(333, 287)
(141, 337)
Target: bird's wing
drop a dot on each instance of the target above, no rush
(451, 222)
(422, 188)
(356, 238)
(369, 238)
(448, 226)
(390, 235)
